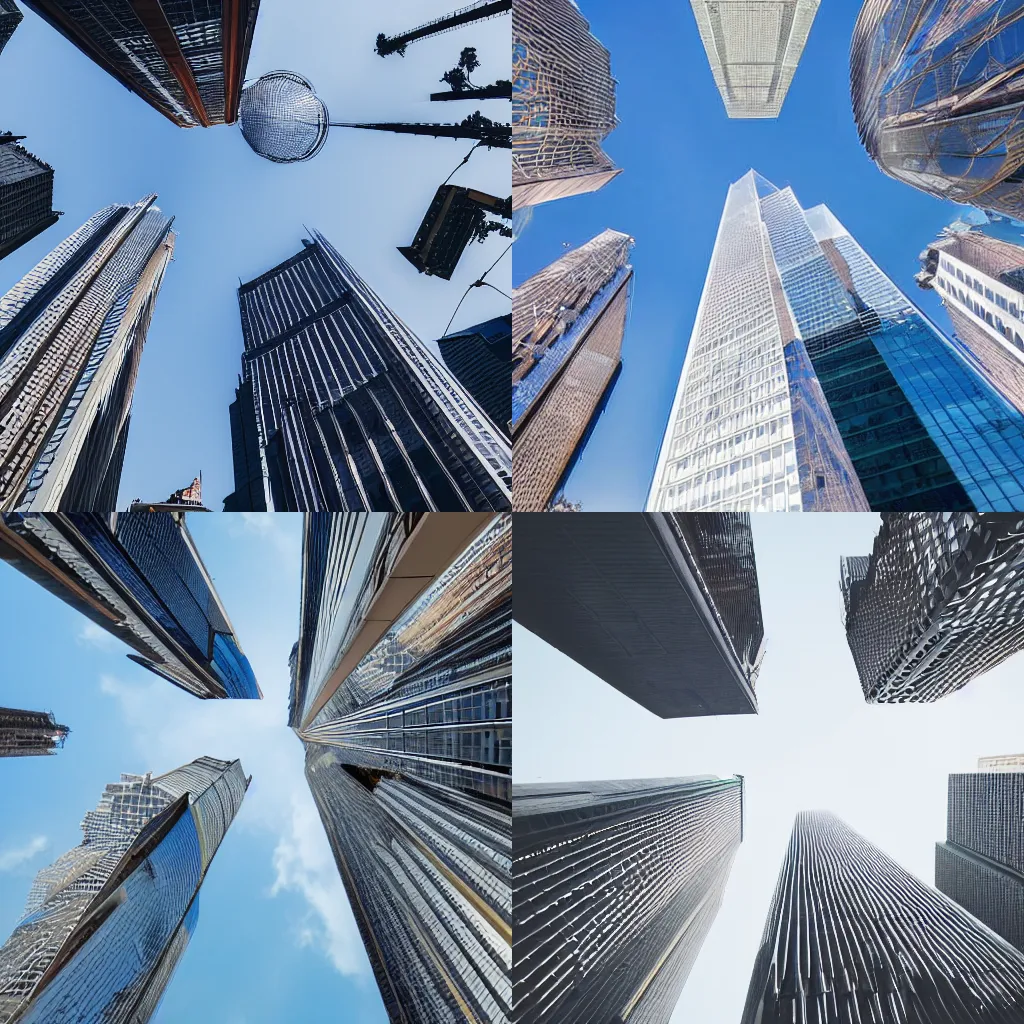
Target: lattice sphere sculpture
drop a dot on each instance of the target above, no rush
(282, 118)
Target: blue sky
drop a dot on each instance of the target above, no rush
(276, 939)
(238, 215)
(680, 153)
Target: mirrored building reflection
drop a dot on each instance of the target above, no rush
(30, 733)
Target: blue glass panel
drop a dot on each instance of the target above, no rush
(233, 668)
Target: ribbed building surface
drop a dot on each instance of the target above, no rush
(106, 923)
(851, 936)
(941, 602)
(140, 577)
(71, 338)
(616, 886)
(664, 607)
(568, 324)
(29, 733)
(342, 408)
(481, 359)
(981, 864)
(186, 58)
(1001, 763)
(754, 47)
(26, 191)
(10, 19)
(401, 693)
(563, 104)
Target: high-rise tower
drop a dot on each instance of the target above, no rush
(10, 19)
(663, 606)
(797, 325)
(925, 618)
(568, 323)
(616, 886)
(138, 575)
(26, 192)
(563, 104)
(481, 359)
(185, 59)
(71, 338)
(981, 864)
(401, 692)
(852, 936)
(29, 733)
(106, 924)
(341, 407)
(754, 47)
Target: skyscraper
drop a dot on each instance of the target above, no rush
(106, 924)
(754, 47)
(29, 733)
(935, 97)
(71, 338)
(851, 936)
(981, 864)
(568, 323)
(926, 619)
(26, 191)
(1001, 763)
(140, 577)
(481, 359)
(616, 886)
(665, 607)
(980, 280)
(10, 19)
(790, 289)
(186, 59)
(563, 104)
(341, 407)
(401, 693)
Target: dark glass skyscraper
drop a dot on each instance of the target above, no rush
(10, 19)
(938, 603)
(186, 58)
(401, 693)
(342, 408)
(26, 191)
(71, 338)
(29, 733)
(981, 864)
(616, 886)
(106, 924)
(851, 936)
(138, 575)
(481, 359)
(663, 606)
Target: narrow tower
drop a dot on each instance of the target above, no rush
(26, 193)
(29, 733)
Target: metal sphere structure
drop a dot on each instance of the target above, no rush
(282, 118)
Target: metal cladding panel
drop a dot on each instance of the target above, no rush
(851, 936)
(615, 887)
(618, 595)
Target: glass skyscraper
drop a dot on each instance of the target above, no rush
(186, 58)
(401, 693)
(481, 359)
(140, 577)
(937, 603)
(26, 192)
(71, 338)
(342, 408)
(797, 324)
(106, 924)
(29, 733)
(754, 47)
(852, 936)
(616, 886)
(10, 19)
(563, 104)
(568, 324)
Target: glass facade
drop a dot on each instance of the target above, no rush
(26, 191)
(481, 357)
(10, 19)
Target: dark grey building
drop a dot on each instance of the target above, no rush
(26, 191)
(664, 606)
(481, 359)
(342, 408)
(851, 936)
(616, 886)
(923, 618)
(10, 19)
(981, 864)
(29, 733)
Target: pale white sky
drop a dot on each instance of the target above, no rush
(814, 745)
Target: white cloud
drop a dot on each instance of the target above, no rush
(14, 858)
(94, 635)
(268, 527)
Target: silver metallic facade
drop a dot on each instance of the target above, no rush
(616, 886)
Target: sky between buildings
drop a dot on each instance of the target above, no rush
(276, 940)
(815, 744)
(238, 215)
(680, 153)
